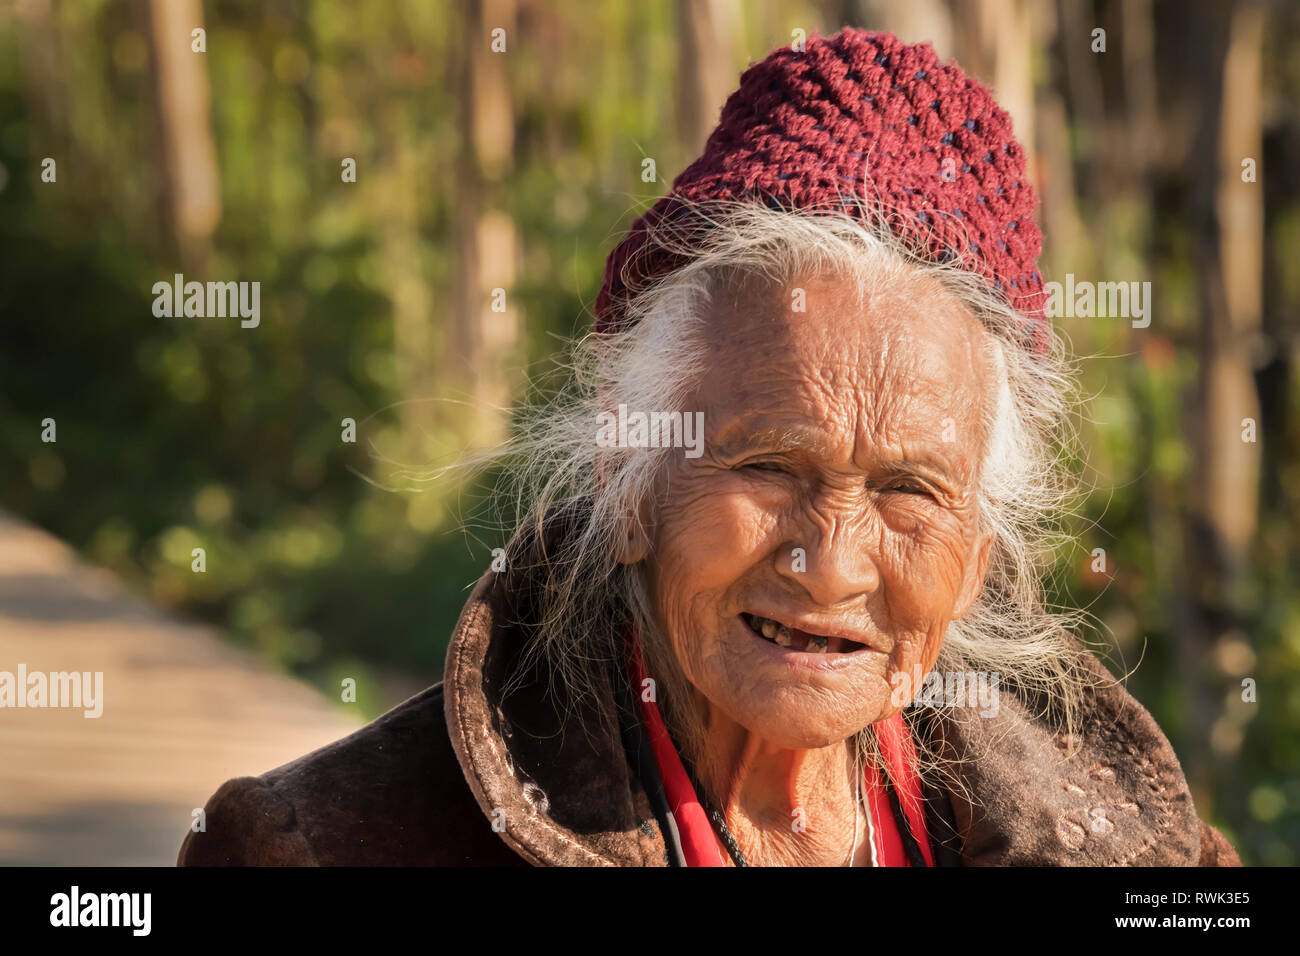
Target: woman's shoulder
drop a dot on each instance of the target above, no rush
(392, 793)
(1108, 790)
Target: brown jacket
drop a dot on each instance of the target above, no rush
(462, 774)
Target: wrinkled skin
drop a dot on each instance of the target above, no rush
(880, 494)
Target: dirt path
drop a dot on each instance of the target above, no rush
(182, 713)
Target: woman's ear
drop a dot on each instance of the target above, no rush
(633, 542)
(976, 568)
(634, 535)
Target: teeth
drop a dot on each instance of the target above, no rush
(778, 633)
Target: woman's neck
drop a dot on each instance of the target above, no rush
(784, 807)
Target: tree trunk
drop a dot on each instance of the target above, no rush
(1224, 512)
(994, 42)
(192, 197)
(706, 74)
(481, 336)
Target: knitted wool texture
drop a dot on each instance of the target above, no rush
(861, 114)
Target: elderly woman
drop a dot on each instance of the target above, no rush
(775, 596)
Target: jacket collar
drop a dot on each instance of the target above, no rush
(559, 792)
(564, 793)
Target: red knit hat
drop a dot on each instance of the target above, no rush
(863, 115)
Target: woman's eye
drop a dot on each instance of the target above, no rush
(909, 487)
(771, 466)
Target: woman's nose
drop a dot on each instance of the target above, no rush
(834, 562)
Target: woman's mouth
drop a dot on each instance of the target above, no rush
(792, 637)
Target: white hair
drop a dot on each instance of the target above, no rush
(1025, 487)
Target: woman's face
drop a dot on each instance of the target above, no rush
(836, 495)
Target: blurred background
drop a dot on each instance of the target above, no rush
(425, 299)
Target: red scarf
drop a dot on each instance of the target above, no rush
(700, 843)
